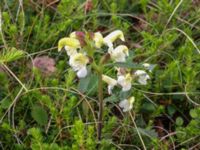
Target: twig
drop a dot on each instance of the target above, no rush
(137, 130)
(14, 101)
(24, 87)
(175, 9)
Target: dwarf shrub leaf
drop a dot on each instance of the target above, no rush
(179, 121)
(39, 115)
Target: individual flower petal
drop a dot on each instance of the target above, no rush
(127, 104)
(114, 35)
(70, 42)
(110, 81)
(70, 50)
(119, 53)
(110, 38)
(73, 35)
(142, 76)
(82, 73)
(125, 81)
(98, 39)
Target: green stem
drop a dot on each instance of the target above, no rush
(138, 132)
(100, 97)
(99, 70)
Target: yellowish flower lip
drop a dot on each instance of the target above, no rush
(109, 80)
(71, 42)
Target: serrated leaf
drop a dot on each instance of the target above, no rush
(40, 115)
(149, 133)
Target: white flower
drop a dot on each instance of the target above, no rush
(119, 53)
(142, 76)
(78, 63)
(127, 104)
(70, 44)
(149, 66)
(98, 39)
(110, 38)
(125, 81)
(110, 81)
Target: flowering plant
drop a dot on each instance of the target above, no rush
(81, 48)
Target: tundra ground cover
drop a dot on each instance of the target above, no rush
(146, 53)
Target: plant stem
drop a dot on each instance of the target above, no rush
(99, 70)
(138, 132)
(1, 31)
(23, 86)
(100, 97)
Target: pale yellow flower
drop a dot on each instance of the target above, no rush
(119, 54)
(110, 38)
(70, 44)
(125, 81)
(110, 81)
(127, 104)
(78, 62)
(142, 76)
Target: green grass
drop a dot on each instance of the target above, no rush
(59, 111)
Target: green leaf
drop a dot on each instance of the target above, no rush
(89, 84)
(40, 115)
(11, 54)
(93, 84)
(179, 121)
(5, 103)
(124, 95)
(148, 107)
(171, 110)
(147, 132)
(112, 98)
(83, 84)
(193, 113)
(129, 65)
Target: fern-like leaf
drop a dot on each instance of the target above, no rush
(11, 54)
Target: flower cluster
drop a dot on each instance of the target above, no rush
(79, 59)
